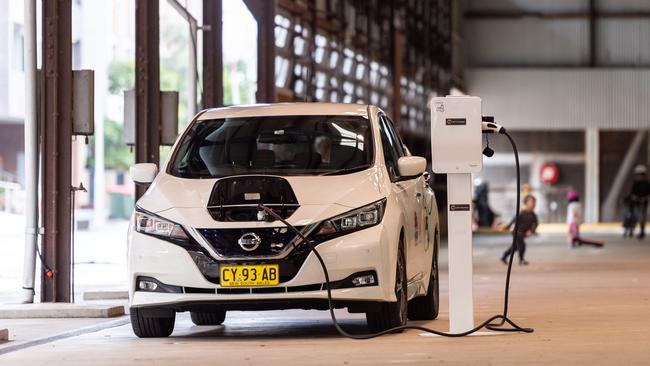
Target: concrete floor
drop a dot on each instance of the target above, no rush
(588, 306)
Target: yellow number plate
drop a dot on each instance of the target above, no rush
(253, 275)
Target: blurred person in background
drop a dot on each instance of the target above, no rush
(574, 220)
(639, 196)
(526, 227)
(484, 216)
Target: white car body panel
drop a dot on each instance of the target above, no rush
(410, 208)
(286, 109)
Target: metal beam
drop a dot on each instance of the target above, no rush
(592, 33)
(397, 66)
(264, 13)
(457, 46)
(192, 76)
(212, 54)
(310, 95)
(57, 148)
(147, 84)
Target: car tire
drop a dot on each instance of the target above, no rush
(150, 323)
(211, 318)
(392, 314)
(426, 307)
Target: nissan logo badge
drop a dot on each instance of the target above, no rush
(249, 241)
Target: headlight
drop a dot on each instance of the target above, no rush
(151, 224)
(358, 219)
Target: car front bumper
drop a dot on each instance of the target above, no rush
(172, 265)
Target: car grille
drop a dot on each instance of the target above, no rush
(225, 241)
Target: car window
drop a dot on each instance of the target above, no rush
(278, 145)
(390, 147)
(399, 144)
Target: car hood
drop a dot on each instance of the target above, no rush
(185, 200)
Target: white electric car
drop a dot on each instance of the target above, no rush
(200, 241)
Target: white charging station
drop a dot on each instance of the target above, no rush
(456, 145)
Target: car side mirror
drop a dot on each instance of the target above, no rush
(411, 166)
(143, 173)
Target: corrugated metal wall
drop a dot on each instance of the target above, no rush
(564, 99)
(562, 65)
(527, 42)
(624, 5)
(556, 33)
(623, 42)
(536, 63)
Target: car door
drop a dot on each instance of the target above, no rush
(418, 202)
(421, 204)
(406, 192)
(425, 201)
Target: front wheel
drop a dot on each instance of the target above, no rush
(148, 323)
(392, 314)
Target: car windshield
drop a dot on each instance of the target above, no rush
(277, 145)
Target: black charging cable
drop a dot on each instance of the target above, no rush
(494, 323)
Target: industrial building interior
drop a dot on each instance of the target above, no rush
(91, 91)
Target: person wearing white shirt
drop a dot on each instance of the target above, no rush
(574, 220)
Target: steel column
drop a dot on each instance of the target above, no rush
(57, 148)
(31, 153)
(592, 33)
(264, 13)
(212, 54)
(192, 66)
(397, 65)
(592, 175)
(147, 84)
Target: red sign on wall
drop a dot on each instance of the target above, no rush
(549, 173)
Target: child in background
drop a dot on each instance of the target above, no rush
(526, 226)
(574, 220)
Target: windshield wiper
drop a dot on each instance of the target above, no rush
(347, 170)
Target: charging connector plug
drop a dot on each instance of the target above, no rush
(488, 125)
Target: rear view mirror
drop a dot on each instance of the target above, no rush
(143, 173)
(411, 166)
